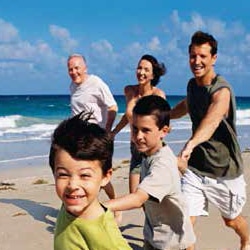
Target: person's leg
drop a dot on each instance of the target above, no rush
(135, 168)
(239, 225)
(110, 191)
(229, 197)
(193, 219)
(192, 188)
(134, 180)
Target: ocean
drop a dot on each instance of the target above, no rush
(27, 122)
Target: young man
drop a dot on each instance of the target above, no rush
(81, 161)
(90, 94)
(211, 105)
(167, 225)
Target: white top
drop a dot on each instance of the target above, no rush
(92, 95)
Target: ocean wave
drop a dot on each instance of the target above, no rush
(16, 128)
(243, 117)
(9, 121)
(24, 158)
(21, 128)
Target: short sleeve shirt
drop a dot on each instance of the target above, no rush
(167, 223)
(101, 233)
(92, 95)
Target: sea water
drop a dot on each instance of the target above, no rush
(27, 122)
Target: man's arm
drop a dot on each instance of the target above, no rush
(127, 202)
(112, 110)
(120, 125)
(217, 110)
(179, 110)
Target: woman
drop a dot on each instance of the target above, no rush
(148, 74)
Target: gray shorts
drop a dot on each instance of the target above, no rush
(136, 159)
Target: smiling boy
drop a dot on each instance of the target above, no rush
(81, 160)
(167, 225)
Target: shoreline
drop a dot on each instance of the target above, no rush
(29, 209)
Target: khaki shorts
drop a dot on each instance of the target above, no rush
(229, 196)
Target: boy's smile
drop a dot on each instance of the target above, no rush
(78, 183)
(146, 134)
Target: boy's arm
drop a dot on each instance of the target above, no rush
(127, 202)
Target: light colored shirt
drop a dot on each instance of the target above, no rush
(92, 95)
(167, 223)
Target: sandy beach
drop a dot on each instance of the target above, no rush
(29, 205)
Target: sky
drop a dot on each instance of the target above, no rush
(36, 37)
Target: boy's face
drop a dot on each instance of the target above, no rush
(146, 135)
(78, 183)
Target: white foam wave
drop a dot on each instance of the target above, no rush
(24, 158)
(31, 132)
(16, 128)
(243, 117)
(9, 121)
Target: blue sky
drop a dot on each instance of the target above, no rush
(36, 38)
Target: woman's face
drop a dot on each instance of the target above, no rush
(144, 72)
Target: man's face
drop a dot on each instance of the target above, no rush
(77, 69)
(201, 61)
(146, 135)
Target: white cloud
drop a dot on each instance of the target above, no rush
(154, 44)
(63, 36)
(22, 58)
(103, 47)
(8, 33)
(196, 23)
(41, 59)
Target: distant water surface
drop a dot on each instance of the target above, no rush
(27, 122)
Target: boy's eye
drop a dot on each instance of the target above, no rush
(85, 175)
(145, 130)
(62, 175)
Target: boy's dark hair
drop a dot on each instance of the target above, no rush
(156, 106)
(83, 141)
(159, 69)
(200, 38)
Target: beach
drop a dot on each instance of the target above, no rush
(29, 206)
(28, 202)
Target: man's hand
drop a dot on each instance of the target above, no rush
(187, 150)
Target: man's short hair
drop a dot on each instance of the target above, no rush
(200, 37)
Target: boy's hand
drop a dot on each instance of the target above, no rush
(182, 165)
